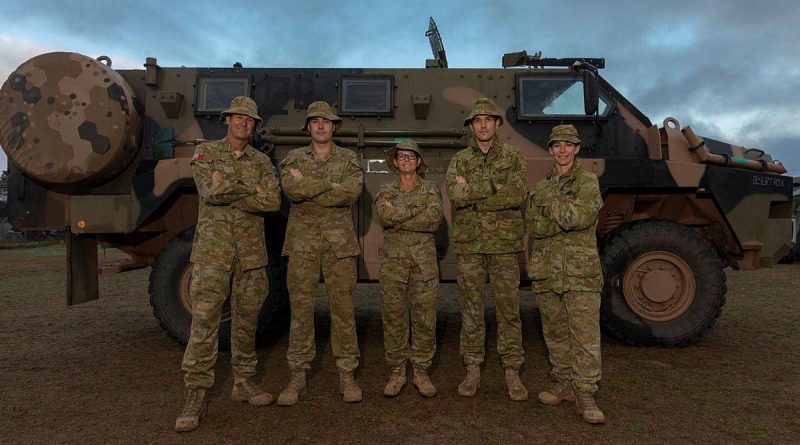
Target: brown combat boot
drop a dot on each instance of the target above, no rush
(423, 383)
(471, 382)
(586, 406)
(348, 387)
(397, 380)
(294, 389)
(516, 390)
(194, 410)
(557, 391)
(249, 392)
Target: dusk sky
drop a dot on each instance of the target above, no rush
(727, 68)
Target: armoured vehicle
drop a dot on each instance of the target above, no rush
(104, 154)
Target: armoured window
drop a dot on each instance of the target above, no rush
(367, 96)
(552, 96)
(214, 94)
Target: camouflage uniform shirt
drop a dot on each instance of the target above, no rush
(320, 210)
(562, 219)
(408, 226)
(487, 220)
(230, 224)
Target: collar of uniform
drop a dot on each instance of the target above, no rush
(308, 150)
(248, 150)
(574, 170)
(493, 150)
(417, 184)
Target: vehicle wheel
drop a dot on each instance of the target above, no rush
(169, 292)
(275, 311)
(664, 285)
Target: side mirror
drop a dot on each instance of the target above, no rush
(591, 92)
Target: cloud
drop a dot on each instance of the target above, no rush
(725, 67)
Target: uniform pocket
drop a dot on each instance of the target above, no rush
(582, 261)
(509, 225)
(465, 228)
(538, 262)
(394, 266)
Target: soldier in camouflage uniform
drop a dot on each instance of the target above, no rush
(410, 210)
(235, 185)
(323, 181)
(565, 268)
(486, 184)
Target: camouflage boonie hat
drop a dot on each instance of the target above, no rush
(566, 133)
(483, 106)
(322, 109)
(242, 105)
(409, 145)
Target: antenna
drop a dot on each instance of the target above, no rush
(436, 44)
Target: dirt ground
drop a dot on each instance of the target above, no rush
(104, 372)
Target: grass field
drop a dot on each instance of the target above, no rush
(104, 372)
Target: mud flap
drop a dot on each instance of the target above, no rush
(81, 268)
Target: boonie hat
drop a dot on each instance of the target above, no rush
(564, 133)
(406, 144)
(322, 109)
(483, 106)
(242, 105)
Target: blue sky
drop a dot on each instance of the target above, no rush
(727, 68)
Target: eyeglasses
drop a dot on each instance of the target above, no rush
(408, 157)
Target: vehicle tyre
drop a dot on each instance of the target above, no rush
(664, 284)
(169, 292)
(275, 311)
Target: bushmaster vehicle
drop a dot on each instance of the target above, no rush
(104, 155)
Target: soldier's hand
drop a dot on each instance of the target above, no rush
(461, 180)
(216, 175)
(335, 184)
(498, 186)
(296, 173)
(259, 189)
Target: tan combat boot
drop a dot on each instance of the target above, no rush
(397, 380)
(294, 389)
(348, 387)
(516, 390)
(194, 410)
(585, 406)
(249, 392)
(423, 383)
(471, 382)
(557, 391)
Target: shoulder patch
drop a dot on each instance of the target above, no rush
(199, 153)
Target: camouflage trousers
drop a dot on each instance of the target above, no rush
(571, 329)
(502, 270)
(340, 283)
(210, 287)
(395, 299)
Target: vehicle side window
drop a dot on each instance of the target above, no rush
(214, 94)
(552, 96)
(367, 96)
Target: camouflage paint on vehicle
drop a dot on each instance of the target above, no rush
(135, 192)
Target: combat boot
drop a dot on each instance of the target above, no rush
(249, 392)
(471, 382)
(516, 390)
(348, 387)
(557, 391)
(423, 383)
(294, 389)
(194, 410)
(586, 407)
(397, 380)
